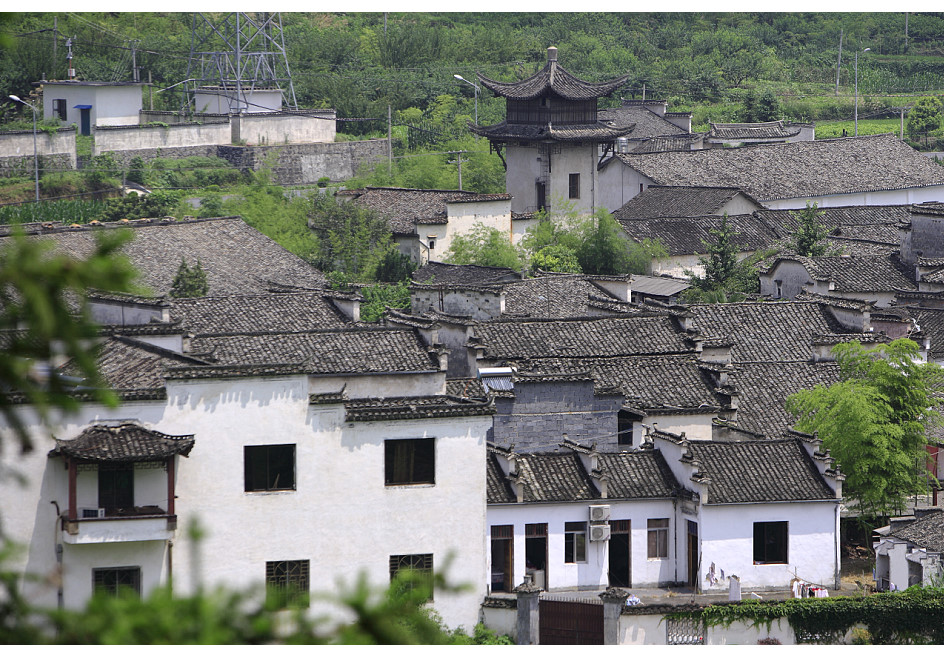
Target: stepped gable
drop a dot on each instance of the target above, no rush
(582, 337)
(236, 258)
(405, 207)
(763, 388)
(133, 368)
(648, 383)
(676, 201)
(688, 235)
(435, 273)
(758, 471)
(246, 314)
(926, 532)
(360, 350)
(497, 487)
(766, 331)
(753, 131)
(796, 169)
(128, 442)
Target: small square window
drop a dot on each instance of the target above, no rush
(287, 583)
(420, 568)
(116, 487)
(116, 580)
(409, 461)
(574, 186)
(658, 538)
(770, 542)
(575, 542)
(59, 108)
(269, 467)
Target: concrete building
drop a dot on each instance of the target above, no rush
(89, 104)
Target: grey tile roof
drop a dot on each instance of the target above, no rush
(644, 122)
(553, 78)
(553, 296)
(931, 322)
(860, 274)
(435, 273)
(676, 201)
(497, 487)
(429, 407)
(683, 142)
(763, 388)
(687, 235)
(785, 221)
(466, 388)
(404, 207)
(323, 352)
(640, 474)
(505, 131)
(798, 169)
(926, 532)
(766, 331)
(246, 314)
(127, 442)
(235, 257)
(555, 477)
(650, 383)
(759, 471)
(658, 286)
(755, 131)
(589, 337)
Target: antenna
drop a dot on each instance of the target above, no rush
(238, 53)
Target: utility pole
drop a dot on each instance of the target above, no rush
(458, 162)
(839, 61)
(55, 44)
(901, 135)
(134, 61)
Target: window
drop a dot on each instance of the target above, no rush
(658, 538)
(287, 583)
(59, 108)
(270, 467)
(116, 487)
(575, 542)
(432, 242)
(770, 542)
(409, 461)
(115, 580)
(419, 567)
(574, 186)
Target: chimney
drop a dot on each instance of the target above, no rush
(551, 54)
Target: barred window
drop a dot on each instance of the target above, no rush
(115, 580)
(287, 583)
(418, 569)
(658, 537)
(269, 467)
(684, 631)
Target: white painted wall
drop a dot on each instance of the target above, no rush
(161, 137)
(218, 101)
(591, 574)
(876, 198)
(19, 143)
(112, 105)
(524, 169)
(695, 426)
(313, 126)
(618, 184)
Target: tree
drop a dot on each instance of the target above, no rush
(556, 258)
(808, 239)
(603, 249)
(726, 279)
(189, 282)
(749, 109)
(353, 239)
(925, 117)
(395, 266)
(44, 314)
(768, 107)
(875, 421)
(483, 246)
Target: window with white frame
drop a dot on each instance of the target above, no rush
(575, 542)
(658, 538)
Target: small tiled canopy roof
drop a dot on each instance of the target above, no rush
(598, 131)
(553, 78)
(127, 442)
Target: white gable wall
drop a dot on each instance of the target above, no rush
(117, 105)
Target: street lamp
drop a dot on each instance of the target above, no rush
(458, 77)
(35, 152)
(857, 90)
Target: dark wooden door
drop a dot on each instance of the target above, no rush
(620, 553)
(503, 558)
(692, 554)
(85, 121)
(570, 622)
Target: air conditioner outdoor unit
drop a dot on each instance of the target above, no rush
(599, 513)
(92, 513)
(599, 532)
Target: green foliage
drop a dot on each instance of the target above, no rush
(807, 240)
(726, 279)
(63, 211)
(211, 204)
(190, 281)
(159, 203)
(911, 616)
(190, 172)
(378, 297)
(875, 422)
(483, 246)
(136, 170)
(394, 267)
(925, 117)
(353, 239)
(100, 173)
(556, 258)
(37, 291)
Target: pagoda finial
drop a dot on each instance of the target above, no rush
(551, 54)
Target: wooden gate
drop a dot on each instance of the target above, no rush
(571, 622)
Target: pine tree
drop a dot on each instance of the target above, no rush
(189, 282)
(807, 239)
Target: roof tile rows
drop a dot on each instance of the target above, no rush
(128, 442)
(404, 207)
(756, 131)
(553, 78)
(272, 312)
(927, 531)
(688, 235)
(797, 169)
(860, 274)
(676, 201)
(645, 123)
